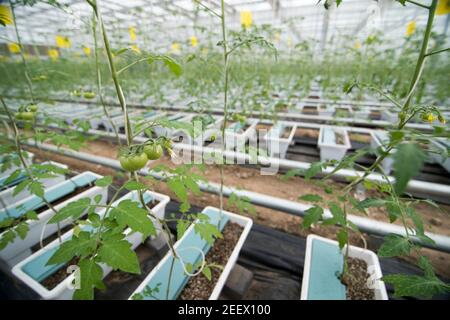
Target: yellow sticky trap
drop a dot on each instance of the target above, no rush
(13, 47)
(443, 7)
(5, 15)
(357, 45)
(135, 48)
(276, 37)
(175, 48)
(194, 41)
(53, 54)
(132, 32)
(63, 42)
(246, 19)
(87, 51)
(410, 28)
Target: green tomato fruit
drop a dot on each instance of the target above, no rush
(18, 115)
(212, 138)
(125, 163)
(89, 95)
(27, 116)
(138, 161)
(153, 151)
(33, 107)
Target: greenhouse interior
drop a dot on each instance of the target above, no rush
(224, 150)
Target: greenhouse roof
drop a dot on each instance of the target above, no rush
(163, 21)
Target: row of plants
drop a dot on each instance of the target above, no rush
(111, 223)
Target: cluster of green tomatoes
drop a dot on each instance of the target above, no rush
(85, 94)
(135, 157)
(27, 113)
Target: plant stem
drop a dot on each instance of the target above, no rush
(422, 54)
(99, 79)
(22, 54)
(225, 101)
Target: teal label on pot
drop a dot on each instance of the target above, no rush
(326, 264)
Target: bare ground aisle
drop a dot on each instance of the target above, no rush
(437, 221)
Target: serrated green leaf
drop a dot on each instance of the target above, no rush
(81, 245)
(22, 230)
(91, 275)
(311, 198)
(415, 286)
(408, 160)
(207, 273)
(129, 213)
(207, 231)
(118, 255)
(134, 185)
(312, 215)
(73, 210)
(182, 226)
(394, 246)
(35, 187)
(104, 182)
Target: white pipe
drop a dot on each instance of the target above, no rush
(442, 242)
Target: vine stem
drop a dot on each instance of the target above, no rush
(99, 79)
(22, 55)
(225, 102)
(112, 67)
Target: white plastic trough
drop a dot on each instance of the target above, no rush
(237, 134)
(33, 269)
(277, 145)
(324, 260)
(7, 197)
(330, 149)
(188, 248)
(438, 148)
(20, 248)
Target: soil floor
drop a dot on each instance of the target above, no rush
(436, 220)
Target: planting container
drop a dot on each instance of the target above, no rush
(237, 134)
(324, 261)
(7, 197)
(330, 148)
(438, 148)
(188, 248)
(161, 131)
(276, 143)
(33, 269)
(389, 116)
(20, 248)
(212, 129)
(326, 110)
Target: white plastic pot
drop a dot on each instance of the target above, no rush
(33, 269)
(7, 197)
(326, 110)
(389, 116)
(277, 145)
(188, 249)
(324, 260)
(329, 148)
(236, 137)
(20, 248)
